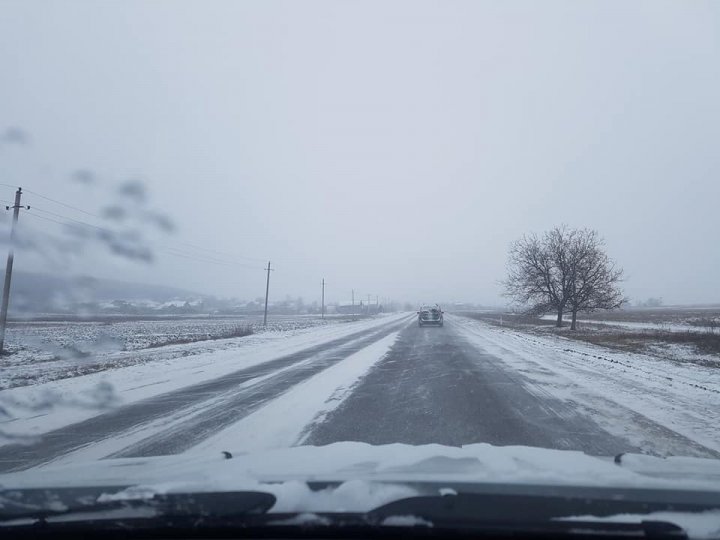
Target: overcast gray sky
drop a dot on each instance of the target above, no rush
(393, 147)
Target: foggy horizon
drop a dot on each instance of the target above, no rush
(394, 149)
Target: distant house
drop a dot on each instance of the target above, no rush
(347, 308)
(358, 308)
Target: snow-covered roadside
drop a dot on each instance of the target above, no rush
(629, 395)
(44, 407)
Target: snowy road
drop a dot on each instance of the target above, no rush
(435, 387)
(387, 381)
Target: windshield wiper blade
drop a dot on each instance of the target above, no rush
(489, 506)
(41, 505)
(533, 513)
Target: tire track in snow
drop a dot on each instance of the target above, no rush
(132, 417)
(237, 405)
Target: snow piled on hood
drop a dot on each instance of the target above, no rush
(697, 525)
(345, 461)
(362, 477)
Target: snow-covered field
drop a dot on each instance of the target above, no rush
(679, 335)
(44, 351)
(38, 408)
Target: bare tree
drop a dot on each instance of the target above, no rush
(533, 278)
(594, 279)
(565, 271)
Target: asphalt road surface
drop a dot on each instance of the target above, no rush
(434, 387)
(431, 387)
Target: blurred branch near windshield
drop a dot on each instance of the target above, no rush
(83, 176)
(14, 135)
(59, 232)
(125, 225)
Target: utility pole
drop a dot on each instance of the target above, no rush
(353, 304)
(322, 309)
(8, 269)
(267, 292)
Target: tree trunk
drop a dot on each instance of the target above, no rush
(573, 325)
(559, 317)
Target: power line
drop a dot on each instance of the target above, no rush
(174, 251)
(39, 231)
(70, 219)
(63, 204)
(178, 253)
(169, 250)
(48, 219)
(227, 254)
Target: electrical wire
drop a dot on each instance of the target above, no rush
(170, 250)
(47, 219)
(227, 254)
(69, 219)
(204, 257)
(208, 261)
(62, 203)
(166, 249)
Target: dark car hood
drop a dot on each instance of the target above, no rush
(359, 478)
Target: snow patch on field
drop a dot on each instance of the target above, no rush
(637, 325)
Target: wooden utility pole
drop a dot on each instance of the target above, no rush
(267, 292)
(322, 309)
(8, 269)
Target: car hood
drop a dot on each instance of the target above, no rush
(358, 468)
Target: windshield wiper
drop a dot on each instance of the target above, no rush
(533, 514)
(462, 513)
(44, 505)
